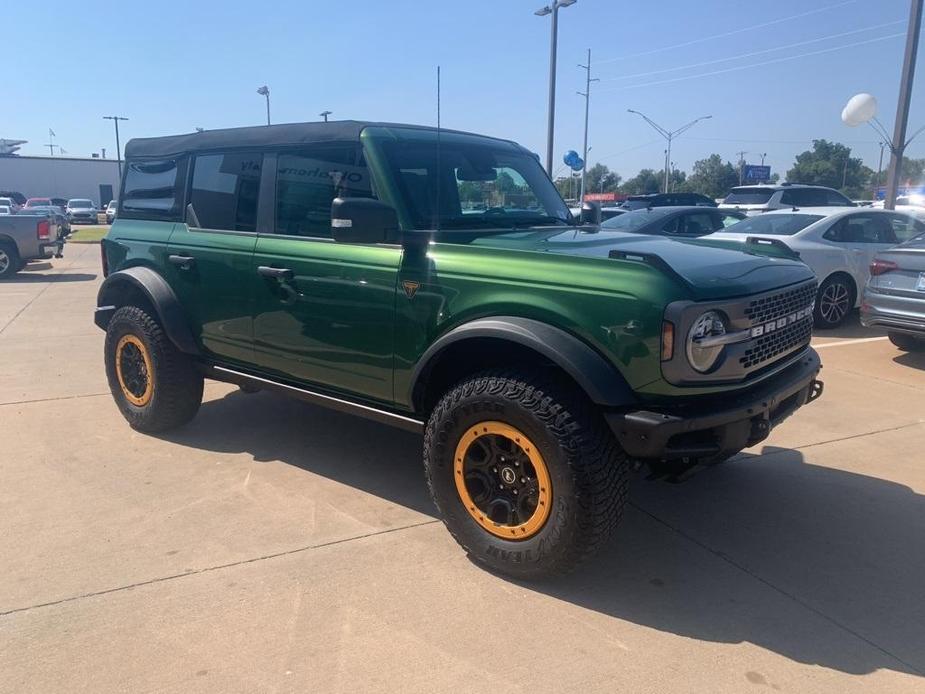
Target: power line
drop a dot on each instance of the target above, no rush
(753, 53)
(765, 62)
(729, 33)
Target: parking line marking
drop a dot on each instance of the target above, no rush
(850, 342)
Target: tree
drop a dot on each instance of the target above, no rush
(600, 179)
(712, 177)
(646, 181)
(831, 164)
(568, 186)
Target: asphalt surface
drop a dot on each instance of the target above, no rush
(270, 546)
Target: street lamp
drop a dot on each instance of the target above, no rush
(553, 9)
(669, 135)
(265, 91)
(325, 114)
(115, 120)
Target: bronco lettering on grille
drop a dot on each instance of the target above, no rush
(782, 322)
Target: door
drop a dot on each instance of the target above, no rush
(323, 311)
(862, 236)
(210, 256)
(105, 195)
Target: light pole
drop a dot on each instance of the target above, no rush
(669, 135)
(844, 175)
(763, 155)
(587, 95)
(880, 166)
(115, 120)
(741, 156)
(265, 91)
(325, 114)
(553, 9)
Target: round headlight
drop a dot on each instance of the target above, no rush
(700, 353)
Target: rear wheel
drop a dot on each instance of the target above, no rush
(834, 301)
(907, 343)
(10, 263)
(526, 475)
(156, 386)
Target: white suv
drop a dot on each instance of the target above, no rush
(757, 199)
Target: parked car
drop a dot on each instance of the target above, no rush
(38, 202)
(837, 243)
(18, 198)
(637, 202)
(9, 202)
(111, 211)
(28, 235)
(762, 198)
(894, 297)
(686, 222)
(541, 359)
(59, 202)
(81, 210)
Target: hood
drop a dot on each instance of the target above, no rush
(709, 269)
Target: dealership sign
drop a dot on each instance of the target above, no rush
(602, 197)
(752, 173)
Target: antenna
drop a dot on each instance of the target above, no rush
(438, 171)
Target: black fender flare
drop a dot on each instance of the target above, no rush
(601, 381)
(155, 289)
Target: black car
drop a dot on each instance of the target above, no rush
(689, 221)
(638, 202)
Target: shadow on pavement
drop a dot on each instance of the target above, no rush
(913, 359)
(850, 329)
(768, 549)
(31, 274)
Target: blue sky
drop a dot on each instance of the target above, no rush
(172, 66)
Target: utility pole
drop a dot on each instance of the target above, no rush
(587, 95)
(325, 114)
(844, 175)
(51, 142)
(669, 135)
(115, 120)
(902, 110)
(552, 9)
(741, 156)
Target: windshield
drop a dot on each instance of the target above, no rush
(749, 196)
(37, 201)
(773, 224)
(480, 185)
(631, 221)
(79, 203)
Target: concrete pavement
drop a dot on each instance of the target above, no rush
(271, 546)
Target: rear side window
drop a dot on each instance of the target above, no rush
(224, 191)
(749, 196)
(151, 189)
(906, 227)
(308, 180)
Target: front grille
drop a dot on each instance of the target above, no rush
(772, 307)
(766, 347)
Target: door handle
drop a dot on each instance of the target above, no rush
(279, 273)
(184, 261)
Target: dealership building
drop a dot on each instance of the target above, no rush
(60, 177)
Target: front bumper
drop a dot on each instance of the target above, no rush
(718, 425)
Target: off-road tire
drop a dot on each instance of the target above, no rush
(838, 286)
(907, 343)
(177, 385)
(588, 471)
(13, 264)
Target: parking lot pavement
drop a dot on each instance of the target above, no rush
(273, 546)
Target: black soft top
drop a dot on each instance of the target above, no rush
(257, 136)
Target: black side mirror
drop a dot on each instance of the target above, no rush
(363, 220)
(590, 213)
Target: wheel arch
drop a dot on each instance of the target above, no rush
(514, 341)
(143, 285)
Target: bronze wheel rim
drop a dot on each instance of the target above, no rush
(134, 370)
(502, 480)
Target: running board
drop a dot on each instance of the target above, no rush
(221, 373)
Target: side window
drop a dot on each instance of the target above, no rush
(307, 180)
(727, 220)
(905, 227)
(672, 226)
(151, 189)
(861, 229)
(833, 197)
(697, 224)
(224, 190)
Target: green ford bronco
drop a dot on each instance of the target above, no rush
(436, 281)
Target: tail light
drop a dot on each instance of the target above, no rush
(104, 259)
(881, 267)
(43, 231)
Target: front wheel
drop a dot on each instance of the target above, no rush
(834, 301)
(907, 343)
(155, 386)
(526, 475)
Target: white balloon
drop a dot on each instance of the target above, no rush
(860, 109)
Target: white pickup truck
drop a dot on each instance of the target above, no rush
(26, 236)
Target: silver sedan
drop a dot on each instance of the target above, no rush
(894, 297)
